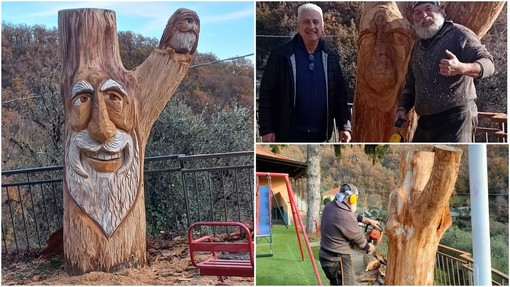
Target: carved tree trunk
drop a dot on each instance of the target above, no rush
(419, 214)
(384, 47)
(109, 113)
(477, 16)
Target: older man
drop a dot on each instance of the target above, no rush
(340, 233)
(303, 90)
(440, 80)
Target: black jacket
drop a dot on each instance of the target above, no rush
(277, 92)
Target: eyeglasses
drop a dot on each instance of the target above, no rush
(310, 65)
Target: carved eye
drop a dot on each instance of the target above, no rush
(113, 96)
(81, 99)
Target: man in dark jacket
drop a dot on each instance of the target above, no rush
(303, 90)
(340, 233)
(440, 79)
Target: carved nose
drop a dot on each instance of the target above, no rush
(101, 128)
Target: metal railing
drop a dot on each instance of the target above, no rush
(454, 267)
(179, 190)
(492, 127)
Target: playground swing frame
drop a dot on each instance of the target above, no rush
(296, 217)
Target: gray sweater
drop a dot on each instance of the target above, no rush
(430, 92)
(340, 230)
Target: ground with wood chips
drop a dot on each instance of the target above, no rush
(169, 264)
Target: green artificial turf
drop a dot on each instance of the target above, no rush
(286, 267)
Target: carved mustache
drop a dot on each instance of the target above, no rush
(83, 141)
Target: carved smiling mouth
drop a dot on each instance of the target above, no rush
(103, 161)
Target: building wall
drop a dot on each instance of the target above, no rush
(279, 188)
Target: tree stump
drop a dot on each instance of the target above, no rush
(109, 114)
(419, 214)
(384, 48)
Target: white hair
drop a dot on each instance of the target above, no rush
(309, 6)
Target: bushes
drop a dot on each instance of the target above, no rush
(458, 238)
(463, 240)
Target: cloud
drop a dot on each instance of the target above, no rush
(240, 14)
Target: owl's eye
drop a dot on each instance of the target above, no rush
(189, 20)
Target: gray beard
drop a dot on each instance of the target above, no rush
(429, 32)
(353, 207)
(183, 41)
(106, 197)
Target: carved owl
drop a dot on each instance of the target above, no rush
(181, 32)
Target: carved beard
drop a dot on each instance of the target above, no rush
(430, 31)
(106, 197)
(184, 42)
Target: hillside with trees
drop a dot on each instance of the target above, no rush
(212, 110)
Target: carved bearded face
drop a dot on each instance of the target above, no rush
(428, 20)
(102, 152)
(384, 47)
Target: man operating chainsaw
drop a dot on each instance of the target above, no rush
(340, 233)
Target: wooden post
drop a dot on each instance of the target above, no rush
(419, 214)
(384, 48)
(109, 113)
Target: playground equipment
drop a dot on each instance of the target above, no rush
(221, 266)
(265, 197)
(298, 223)
(263, 229)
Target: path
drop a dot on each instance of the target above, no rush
(357, 263)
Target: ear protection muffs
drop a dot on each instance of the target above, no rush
(353, 198)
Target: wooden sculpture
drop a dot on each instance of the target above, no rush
(419, 214)
(384, 47)
(378, 93)
(109, 114)
(477, 16)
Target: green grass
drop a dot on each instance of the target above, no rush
(285, 267)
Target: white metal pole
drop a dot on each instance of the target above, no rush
(478, 184)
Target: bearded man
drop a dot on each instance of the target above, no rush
(440, 79)
(340, 233)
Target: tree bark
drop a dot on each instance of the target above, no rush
(384, 48)
(104, 205)
(477, 16)
(313, 195)
(419, 214)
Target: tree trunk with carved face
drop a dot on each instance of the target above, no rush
(383, 53)
(109, 114)
(419, 214)
(384, 48)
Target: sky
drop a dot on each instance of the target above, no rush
(226, 28)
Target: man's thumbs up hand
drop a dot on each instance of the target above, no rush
(450, 55)
(450, 66)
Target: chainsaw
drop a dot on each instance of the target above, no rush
(373, 235)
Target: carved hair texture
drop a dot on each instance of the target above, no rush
(181, 32)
